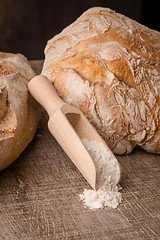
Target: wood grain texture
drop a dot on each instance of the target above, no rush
(39, 196)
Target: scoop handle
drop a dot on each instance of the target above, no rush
(43, 91)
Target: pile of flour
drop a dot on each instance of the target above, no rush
(108, 194)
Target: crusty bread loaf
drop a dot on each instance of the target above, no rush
(109, 66)
(19, 113)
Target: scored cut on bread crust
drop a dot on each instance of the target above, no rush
(19, 112)
(108, 65)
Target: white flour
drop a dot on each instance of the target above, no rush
(108, 194)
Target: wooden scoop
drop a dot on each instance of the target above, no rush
(69, 125)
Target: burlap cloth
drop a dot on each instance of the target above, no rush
(39, 196)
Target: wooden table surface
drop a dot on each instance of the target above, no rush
(39, 196)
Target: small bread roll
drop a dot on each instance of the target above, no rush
(109, 66)
(19, 112)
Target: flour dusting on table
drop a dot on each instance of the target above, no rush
(108, 194)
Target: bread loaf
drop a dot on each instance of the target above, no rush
(109, 66)
(19, 113)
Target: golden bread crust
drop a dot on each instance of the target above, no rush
(19, 112)
(109, 66)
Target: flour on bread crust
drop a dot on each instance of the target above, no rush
(19, 112)
(109, 66)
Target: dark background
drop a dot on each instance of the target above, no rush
(26, 25)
